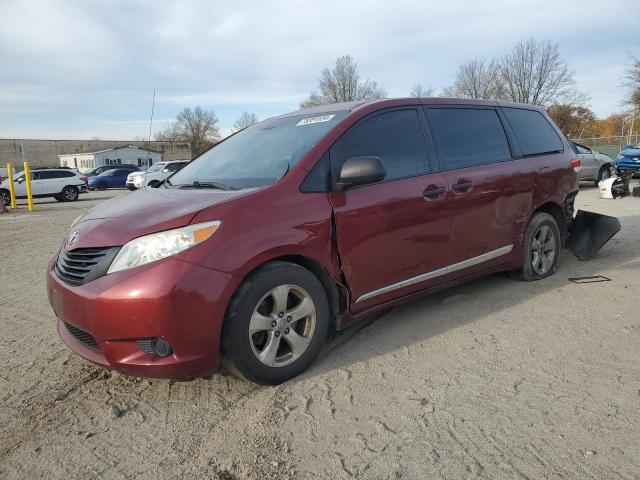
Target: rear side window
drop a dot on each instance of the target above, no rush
(468, 136)
(396, 137)
(51, 174)
(535, 134)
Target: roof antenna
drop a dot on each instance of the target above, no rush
(153, 104)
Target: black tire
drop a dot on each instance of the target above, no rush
(102, 186)
(5, 197)
(153, 184)
(603, 174)
(529, 271)
(70, 194)
(239, 346)
(59, 198)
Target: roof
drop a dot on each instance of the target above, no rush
(352, 106)
(108, 150)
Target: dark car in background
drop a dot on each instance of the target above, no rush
(307, 222)
(103, 168)
(114, 178)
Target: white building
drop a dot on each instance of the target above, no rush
(127, 154)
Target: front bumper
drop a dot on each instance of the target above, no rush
(627, 164)
(177, 301)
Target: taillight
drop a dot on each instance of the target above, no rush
(576, 164)
(85, 179)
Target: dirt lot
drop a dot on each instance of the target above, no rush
(495, 379)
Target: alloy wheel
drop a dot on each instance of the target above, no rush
(282, 325)
(70, 194)
(543, 250)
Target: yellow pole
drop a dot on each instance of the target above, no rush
(12, 191)
(27, 178)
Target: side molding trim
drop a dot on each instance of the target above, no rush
(470, 262)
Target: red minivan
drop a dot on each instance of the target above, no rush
(305, 223)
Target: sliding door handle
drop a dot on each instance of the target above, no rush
(461, 186)
(432, 191)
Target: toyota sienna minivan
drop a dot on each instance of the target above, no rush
(303, 224)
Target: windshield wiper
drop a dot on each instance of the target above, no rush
(216, 185)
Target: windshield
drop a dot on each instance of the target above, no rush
(155, 167)
(258, 155)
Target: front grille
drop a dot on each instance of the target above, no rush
(83, 337)
(84, 264)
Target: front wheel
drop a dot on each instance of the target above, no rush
(70, 194)
(541, 248)
(276, 323)
(5, 197)
(102, 186)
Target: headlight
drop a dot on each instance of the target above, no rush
(156, 246)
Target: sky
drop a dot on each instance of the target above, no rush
(88, 69)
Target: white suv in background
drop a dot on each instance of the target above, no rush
(156, 174)
(63, 184)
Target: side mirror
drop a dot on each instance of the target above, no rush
(20, 180)
(361, 171)
(165, 170)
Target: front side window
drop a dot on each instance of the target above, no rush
(260, 154)
(535, 134)
(394, 136)
(468, 136)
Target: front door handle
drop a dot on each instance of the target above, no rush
(461, 186)
(433, 191)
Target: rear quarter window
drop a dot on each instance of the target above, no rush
(535, 134)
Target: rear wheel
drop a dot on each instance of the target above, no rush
(603, 174)
(276, 323)
(70, 194)
(541, 248)
(5, 197)
(102, 186)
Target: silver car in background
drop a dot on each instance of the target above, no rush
(596, 166)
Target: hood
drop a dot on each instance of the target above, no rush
(116, 221)
(631, 152)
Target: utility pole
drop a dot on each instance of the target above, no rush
(153, 104)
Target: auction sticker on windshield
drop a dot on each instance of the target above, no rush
(310, 120)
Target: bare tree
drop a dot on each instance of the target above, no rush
(169, 134)
(197, 127)
(475, 79)
(535, 73)
(419, 91)
(343, 84)
(632, 82)
(245, 120)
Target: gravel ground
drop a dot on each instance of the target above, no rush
(494, 379)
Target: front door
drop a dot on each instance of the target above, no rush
(391, 235)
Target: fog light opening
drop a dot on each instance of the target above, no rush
(161, 347)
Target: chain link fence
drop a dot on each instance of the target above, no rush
(609, 145)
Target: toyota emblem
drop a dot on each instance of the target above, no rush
(73, 236)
